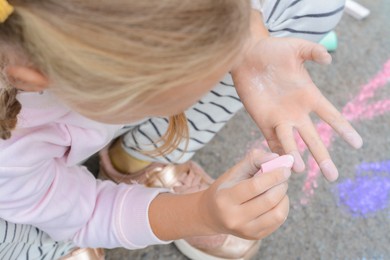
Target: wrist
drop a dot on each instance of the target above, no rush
(174, 216)
(258, 33)
(258, 29)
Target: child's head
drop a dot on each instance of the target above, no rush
(110, 60)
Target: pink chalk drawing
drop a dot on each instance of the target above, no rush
(359, 108)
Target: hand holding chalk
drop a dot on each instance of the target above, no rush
(285, 161)
(246, 204)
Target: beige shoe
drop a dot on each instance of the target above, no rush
(85, 254)
(181, 179)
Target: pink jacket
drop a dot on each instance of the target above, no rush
(42, 184)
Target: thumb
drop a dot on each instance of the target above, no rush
(250, 165)
(314, 52)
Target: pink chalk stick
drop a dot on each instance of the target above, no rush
(282, 161)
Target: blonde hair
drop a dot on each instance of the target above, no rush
(120, 53)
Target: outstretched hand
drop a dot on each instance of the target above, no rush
(279, 94)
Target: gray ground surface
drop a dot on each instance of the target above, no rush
(323, 228)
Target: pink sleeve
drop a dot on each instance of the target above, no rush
(39, 187)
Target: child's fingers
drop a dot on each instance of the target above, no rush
(248, 189)
(254, 159)
(313, 141)
(246, 168)
(327, 112)
(285, 134)
(267, 223)
(314, 52)
(272, 140)
(265, 202)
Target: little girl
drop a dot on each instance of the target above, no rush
(77, 74)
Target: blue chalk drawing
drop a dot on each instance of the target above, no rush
(368, 192)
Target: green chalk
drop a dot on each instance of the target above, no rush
(330, 41)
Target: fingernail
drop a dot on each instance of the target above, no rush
(299, 165)
(354, 139)
(329, 170)
(289, 160)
